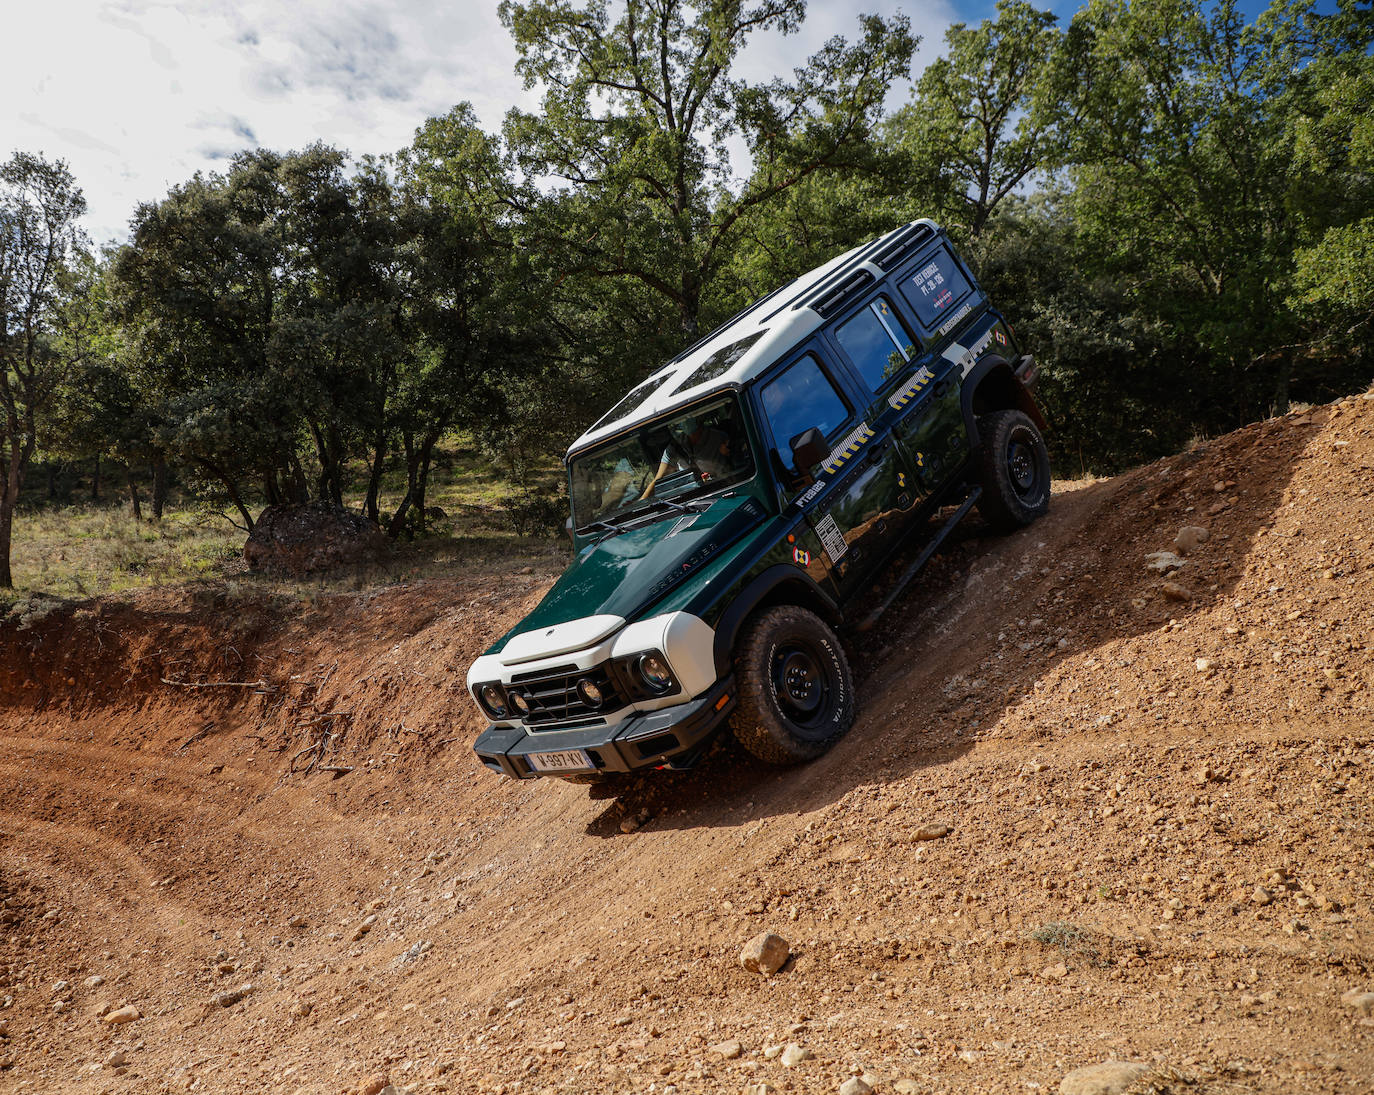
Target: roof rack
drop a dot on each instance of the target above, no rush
(907, 240)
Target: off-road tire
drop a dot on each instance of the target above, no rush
(796, 694)
(1015, 471)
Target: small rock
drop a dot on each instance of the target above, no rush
(855, 1086)
(1261, 896)
(230, 997)
(94, 981)
(1163, 561)
(1203, 665)
(1057, 972)
(1189, 537)
(301, 1009)
(771, 1053)
(117, 1059)
(1108, 1078)
(1363, 1002)
(127, 1014)
(634, 821)
(906, 1086)
(511, 1005)
(766, 953)
(296, 921)
(931, 830)
(60, 986)
(759, 1089)
(1175, 592)
(794, 1055)
(375, 1085)
(365, 926)
(729, 1050)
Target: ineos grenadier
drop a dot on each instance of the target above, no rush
(729, 511)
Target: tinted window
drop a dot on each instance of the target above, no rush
(876, 342)
(799, 398)
(935, 288)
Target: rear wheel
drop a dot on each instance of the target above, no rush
(1015, 471)
(796, 694)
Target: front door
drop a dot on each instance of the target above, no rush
(853, 503)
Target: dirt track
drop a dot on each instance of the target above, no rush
(1121, 771)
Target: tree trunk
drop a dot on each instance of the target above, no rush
(1285, 378)
(134, 504)
(374, 479)
(159, 487)
(95, 481)
(422, 479)
(52, 481)
(232, 489)
(398, 519)
(9, 498)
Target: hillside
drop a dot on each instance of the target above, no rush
(1158, 790)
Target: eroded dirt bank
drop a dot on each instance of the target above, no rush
(1162, 846)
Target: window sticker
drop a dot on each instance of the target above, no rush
(936, 288)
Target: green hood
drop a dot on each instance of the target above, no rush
(625, 574)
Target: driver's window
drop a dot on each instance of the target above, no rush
(798, 398)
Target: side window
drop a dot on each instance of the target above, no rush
(876, 342)
(935, 288)
(797, 399)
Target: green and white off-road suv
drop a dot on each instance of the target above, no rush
(729, 510)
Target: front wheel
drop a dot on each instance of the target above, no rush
(1015, 471)
(796, 694)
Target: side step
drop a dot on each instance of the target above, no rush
(921, 560)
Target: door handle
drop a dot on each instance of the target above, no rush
(940, 389)
(876, 451)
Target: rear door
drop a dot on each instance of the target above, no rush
(853, 503)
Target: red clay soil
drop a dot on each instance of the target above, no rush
(1161, 846)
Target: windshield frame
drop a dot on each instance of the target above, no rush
(588, 524)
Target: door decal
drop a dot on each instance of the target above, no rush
(849, 446)
(831, 538)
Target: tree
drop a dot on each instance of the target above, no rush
(984, 114)
(636, 117)
(41, 322)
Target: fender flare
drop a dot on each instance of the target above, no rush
(1024, 400)
(755, 592)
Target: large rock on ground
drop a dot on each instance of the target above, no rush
(296, 540)
(1107, 1078)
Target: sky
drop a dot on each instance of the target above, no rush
(138, 95)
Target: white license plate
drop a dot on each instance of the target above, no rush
(567, 761)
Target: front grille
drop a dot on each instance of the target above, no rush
(554, 700)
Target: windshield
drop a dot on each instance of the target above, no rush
(698, 452)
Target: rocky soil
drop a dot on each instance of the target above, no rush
(1104, 824)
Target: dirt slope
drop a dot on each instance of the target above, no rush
(1161, 844)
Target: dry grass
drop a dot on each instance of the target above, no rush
(90, 550)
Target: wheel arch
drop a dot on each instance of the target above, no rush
(992, 386)
(779, 584)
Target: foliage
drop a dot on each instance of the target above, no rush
(43, 318)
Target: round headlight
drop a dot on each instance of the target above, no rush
(519, 702)
(590, 692)
(655, 672)
(494, 700)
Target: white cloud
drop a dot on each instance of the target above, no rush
(138, 95)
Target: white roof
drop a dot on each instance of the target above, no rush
(774, 322)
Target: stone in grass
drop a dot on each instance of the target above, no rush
(766, 953)
(1107, 1078)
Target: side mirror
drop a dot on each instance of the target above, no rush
(808, 449)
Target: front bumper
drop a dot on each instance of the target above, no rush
(671, 737)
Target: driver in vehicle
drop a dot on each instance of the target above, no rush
(699, 447)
